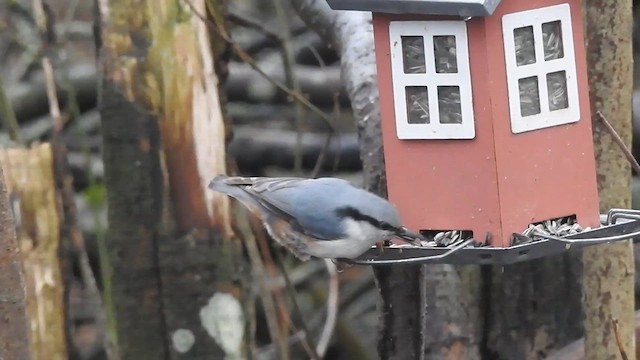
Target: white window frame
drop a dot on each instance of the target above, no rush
(541, 68)
(431, 79)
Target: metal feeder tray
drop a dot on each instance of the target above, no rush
(617, 225)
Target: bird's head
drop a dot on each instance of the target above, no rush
(382, 225)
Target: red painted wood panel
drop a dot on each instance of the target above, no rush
(442, 184)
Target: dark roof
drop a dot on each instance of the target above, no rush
(463, 8)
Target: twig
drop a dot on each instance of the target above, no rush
(307, 342)
(45, 28)
(623, 354)
(251, 62)
(316, 55)
(253, 24)
(9, 120)
(45, 25)
(323, 154)
(291, 81)
(29, 99)
(65, 179)
(52, 95)
(332, 309)
(266, 254)
(71, 11)
(270, 268)
(336, 114)
(265, 294)
(618, 140)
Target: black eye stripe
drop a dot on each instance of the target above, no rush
(355, 214)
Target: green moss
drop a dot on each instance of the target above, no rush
(96, 195)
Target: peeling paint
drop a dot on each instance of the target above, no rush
(224, 321)
(183, 340)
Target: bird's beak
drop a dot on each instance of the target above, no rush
(410, 237)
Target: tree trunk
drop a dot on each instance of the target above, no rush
(531, 308)
(609, 269)
(29, 176)
(176, 285)
(14, 332)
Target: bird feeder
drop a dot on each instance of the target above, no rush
(486, 123)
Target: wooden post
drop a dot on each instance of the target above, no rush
(30, 182)
(14, 334)
(609, 269)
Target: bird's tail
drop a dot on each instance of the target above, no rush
(218, 182)
(226, 185)
(233, 187)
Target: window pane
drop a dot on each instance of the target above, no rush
(529, 96)
(552, 40)
(525, 51)
(413, 54)
(444, 48)
(417, 104)
(449, 104)
(557, 89)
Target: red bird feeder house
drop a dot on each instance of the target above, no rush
(486, 119)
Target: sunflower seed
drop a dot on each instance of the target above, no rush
(557, 227)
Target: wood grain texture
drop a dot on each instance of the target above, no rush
(14, 329)
(171, 247)
(609, 269)
(30, 182)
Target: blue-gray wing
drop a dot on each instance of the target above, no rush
(307, 204)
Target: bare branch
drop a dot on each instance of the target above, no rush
(44, 25)
(249, 60)
(618, 140)
(291, 81)
(259, 270)
(332, 309)
(352, 31)
(623, 354)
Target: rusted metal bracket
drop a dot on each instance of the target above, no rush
(617, 225)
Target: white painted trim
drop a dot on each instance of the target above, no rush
(431, 79)
(541, 68)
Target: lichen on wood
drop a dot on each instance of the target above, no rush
(30, 182)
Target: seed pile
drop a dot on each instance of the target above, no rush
(446, 238)
(559, 227)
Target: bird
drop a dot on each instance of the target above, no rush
(323, 217)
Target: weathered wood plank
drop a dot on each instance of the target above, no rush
(30, 183)
(14, 333)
